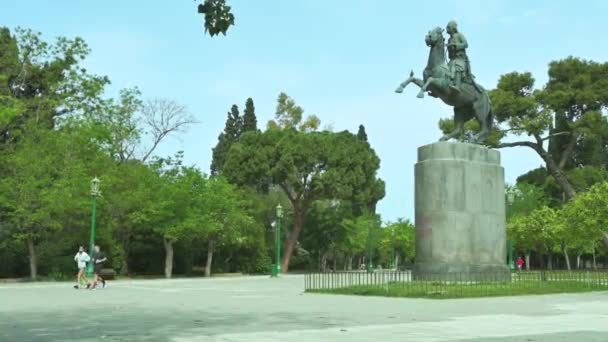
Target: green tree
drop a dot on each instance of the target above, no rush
(250, 122)
(226, 224)
(42, 82)
(217, 16)
(528, 197)
(361, 135)
(306, 166)
(566, 112)
(291, 116)
(587, 217)
(399, 242)
(45, 180)
(229, 136)
(535, 232)
(573, 98)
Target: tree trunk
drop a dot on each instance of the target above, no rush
(33, 261)
(594, 265)
(324, 262)
(550, 261)
(350, 262)
(168, 257)
(557, 173)
(578, 261)
(293, 237)
(209, 259)
(335, 263)
(567, 258)
(319, 254)
(124, 266)
(126, 248)
(527, 261)
(397, 261)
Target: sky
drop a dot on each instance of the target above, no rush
(339, 59)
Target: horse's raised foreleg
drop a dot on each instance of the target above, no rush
(409, 80)
(424, 87)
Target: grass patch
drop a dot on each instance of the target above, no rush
(439, 290)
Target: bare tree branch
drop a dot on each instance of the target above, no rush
(529, 144)
(555, 135)
(163, 117)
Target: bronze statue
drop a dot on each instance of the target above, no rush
(454, 83)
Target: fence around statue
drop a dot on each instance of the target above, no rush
(403, 284)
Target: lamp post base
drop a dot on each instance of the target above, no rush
(274, 272)
(88, 272)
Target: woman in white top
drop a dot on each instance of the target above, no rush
(81, 259)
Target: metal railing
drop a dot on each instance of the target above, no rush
(404, 282)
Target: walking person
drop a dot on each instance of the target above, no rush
(520, 263)
(98, 259)
(81, 259)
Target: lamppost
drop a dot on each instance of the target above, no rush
(94, 193)
(276, 267)
(510, 200)
(370, 267)
(394, 256)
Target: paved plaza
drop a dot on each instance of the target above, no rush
(262, 309)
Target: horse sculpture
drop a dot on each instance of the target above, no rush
(470, 100)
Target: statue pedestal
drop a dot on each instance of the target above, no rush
(460, 213)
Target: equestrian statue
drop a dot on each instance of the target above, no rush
(454, 83)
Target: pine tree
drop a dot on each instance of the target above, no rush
(250, 123)
(232, 132)
(361, 135)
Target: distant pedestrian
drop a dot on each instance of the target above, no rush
(520, 263)
(98, 259)
(81, 258)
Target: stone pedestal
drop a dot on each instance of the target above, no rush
(460, 212)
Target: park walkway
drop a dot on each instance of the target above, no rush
(261, 309)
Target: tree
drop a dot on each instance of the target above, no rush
(587, 217)
(573, 98)
(291, 116)
(250, 122)
(399, 241)
(307, 166)
(217, 16)
(323, 233)
(230, 135)
(355, 237)
(42, 82)
(566, 112)
(536, 231)
(45, 180)
(528, 197)
(361, 135)
(161, 118)
(226, 224)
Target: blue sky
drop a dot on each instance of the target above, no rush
(339, 59)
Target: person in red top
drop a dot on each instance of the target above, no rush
(520, 263)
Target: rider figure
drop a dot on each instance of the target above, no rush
(459, 62)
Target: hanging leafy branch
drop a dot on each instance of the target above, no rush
(217, 16)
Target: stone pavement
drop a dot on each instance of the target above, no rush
(261, 309)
